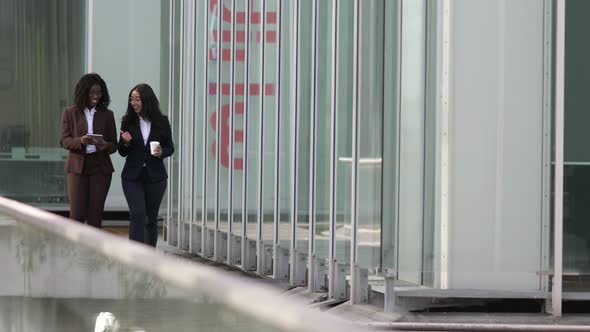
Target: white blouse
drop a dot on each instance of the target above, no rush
(90, 148)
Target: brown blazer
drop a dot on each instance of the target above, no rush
(74, 126)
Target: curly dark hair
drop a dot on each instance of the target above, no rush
(83, 90)
(150, 109)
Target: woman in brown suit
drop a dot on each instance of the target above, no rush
(89, 166)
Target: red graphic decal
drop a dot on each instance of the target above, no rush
(254, 89)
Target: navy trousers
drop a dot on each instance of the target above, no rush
(144, 199)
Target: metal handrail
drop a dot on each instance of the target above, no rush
(244, 295)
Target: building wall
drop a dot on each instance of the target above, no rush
(496, 157)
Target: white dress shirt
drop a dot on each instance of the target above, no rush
(145, 126)
(90, 148)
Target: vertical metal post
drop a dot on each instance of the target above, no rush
(192, 109)
(334, 98)
(261, 253)
(204, 120)
(313, 140)
(556, 295)
(218, 92)
(245, 245)
(170, 105)
(179, 223)
(230, 180)
(444, 163)
(295, 278)
(276, 215)
(355, 269)
(547, 107)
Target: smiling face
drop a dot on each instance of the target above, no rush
(135, 101)
(94, 96)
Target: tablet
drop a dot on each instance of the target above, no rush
(96, 138)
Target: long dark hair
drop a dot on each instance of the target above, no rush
(150, 109)
(83, 90)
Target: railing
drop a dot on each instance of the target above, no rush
(36, 236)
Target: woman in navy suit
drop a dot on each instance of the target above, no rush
(144, 175)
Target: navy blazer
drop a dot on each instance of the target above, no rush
(137, 153)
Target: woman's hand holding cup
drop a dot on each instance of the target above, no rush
(155, 148)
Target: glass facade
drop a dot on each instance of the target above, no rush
(295, 163)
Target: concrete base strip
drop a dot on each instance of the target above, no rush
(408, 326)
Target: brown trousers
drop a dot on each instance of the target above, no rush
(88, 192)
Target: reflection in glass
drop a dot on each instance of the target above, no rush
(285, 152)
(255, 97)
(323, 128)
(343, 131)
(200, 119)
(269, 119)
(303, 126)
(41, 58)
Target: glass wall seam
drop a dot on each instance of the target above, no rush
(556, 297)
(180, 129)
(204, 140)
(313, 142)
(430, 86)
(430, 139)
(230, 210)
(245, 142)
(444, 147)
(355, 275)
(217, 109)
(332, 206)
(397, 135)
(293, 129)
(276, 213)
(547, 107)
(170, 114)
(192, 108)
(260, 257)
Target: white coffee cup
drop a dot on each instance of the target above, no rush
(153, 146)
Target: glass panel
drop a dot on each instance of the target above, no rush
(174, 112)
(285, 172)
(303, 130)
(370, 133)
(390, 121)
(323, 128)
(344, 131)
(186, 115)
(211, 113)
(166, 18)
(253, 114)
(41, 59)
(269, 128)
(224, 112)
(411, 144)
(576, 173)
(200, 114)
(239, 93)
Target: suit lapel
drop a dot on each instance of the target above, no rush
(83, 123)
